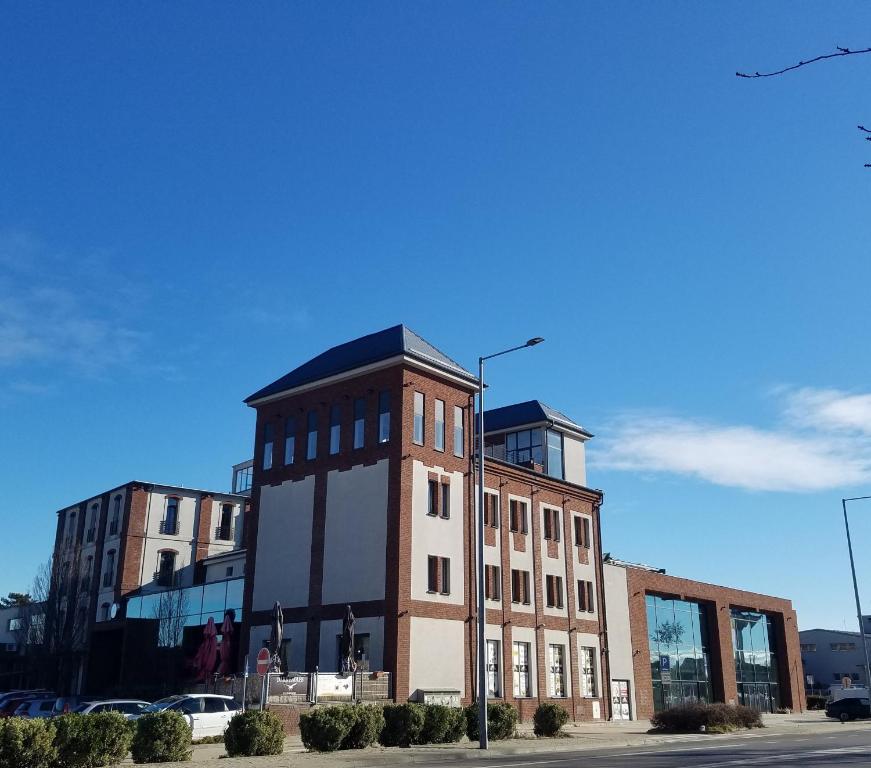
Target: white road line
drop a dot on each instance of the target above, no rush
(763, 759)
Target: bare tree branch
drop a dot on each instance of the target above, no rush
(840, 52)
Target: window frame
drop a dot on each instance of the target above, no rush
(384, 407)
(439, 426)
(359, 423)
(289, 440)
(459, 431)
(335, 429)
(311, 440)
(518, 509)
(268, 446)
(418, 429)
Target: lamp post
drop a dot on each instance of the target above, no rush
(479, 560)
(856, 589)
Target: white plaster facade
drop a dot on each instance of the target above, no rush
(436, 654)
(618, 627)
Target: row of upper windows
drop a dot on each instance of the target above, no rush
(438, 439)
(90, 532)
(518, 514)
(358, 431)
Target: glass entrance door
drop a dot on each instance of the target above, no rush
(620, 700)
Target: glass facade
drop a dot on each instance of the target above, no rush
(677, 632)
(755, 644)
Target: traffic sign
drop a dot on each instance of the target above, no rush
(263, 659)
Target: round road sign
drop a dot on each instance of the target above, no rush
(263, 659)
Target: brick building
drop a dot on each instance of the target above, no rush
(363, 494)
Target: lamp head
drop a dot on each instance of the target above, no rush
(533, 342)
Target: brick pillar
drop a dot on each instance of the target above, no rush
(723, 656)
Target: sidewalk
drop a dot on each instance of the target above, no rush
(584, 736)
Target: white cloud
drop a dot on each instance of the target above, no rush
(823, 442)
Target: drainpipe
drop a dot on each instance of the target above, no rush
(605, 688)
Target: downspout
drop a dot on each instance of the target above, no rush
(603, 632)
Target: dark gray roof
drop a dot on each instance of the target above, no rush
(530, 412)
(366, 350)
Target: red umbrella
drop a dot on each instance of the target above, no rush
(207, 654)
(227, 666)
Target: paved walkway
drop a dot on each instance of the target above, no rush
(584, 736)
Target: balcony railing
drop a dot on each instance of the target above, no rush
(90, 535)
(166, 578)
(107, 580)
(224, 533)
(169, 527)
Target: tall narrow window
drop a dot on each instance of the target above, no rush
(439, 438)
(551, 524)
(109, 573)
(446, 501)
(458, 431)
(439, 574)
(494, 679)
(383, 417)
(115, 525)
(582, 532)
(432, 504)
(225, 529)
(359, 422)
(491, 510)
(588, 673)
(520, 587)
(557, 671)
(268, 442)
(493, 582)
(445, 568)
(92, 524)
(520, 654)
(311, 450)
(585, 596)
(165, 574)
(170, 519)
(554, 591)
(432, 574)
(335, 428)
(289, 440)
(518, 515)
(417, 437)
(554, 453)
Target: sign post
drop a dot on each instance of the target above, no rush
(665, 668)
(263, 660)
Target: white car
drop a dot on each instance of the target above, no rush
(128, 707)
(207, 714)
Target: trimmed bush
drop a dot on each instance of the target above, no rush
(549, 719)
(325, 728)
(501, 721)
(403, 724)
(442, 725)
(90, 741)
(161, 737)
(254, 733)
(367, 722)
(26, 743)
(717, 718)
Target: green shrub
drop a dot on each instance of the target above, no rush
(501, 721)
(549, 718)
(26, 743)
(403, 724)
(442, 725)
(161, 737)
(816, 702)
(367, 722)
(89, 741)
(325, 728)
(717, 718)
(254, 733)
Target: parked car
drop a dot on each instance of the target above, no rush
(24, 694)
(65, 704)
(36, 708)
(207, 714)
(9, 705)
(130, 708)
(848, 709)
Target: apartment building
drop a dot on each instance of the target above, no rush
(363, 493)
(140, 537)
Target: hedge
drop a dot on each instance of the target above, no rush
(89, 741)
(254, 733)
(442, 725)
(26, 743)
(716, 718)
(367, 722)
(549, 718)
(161, 737)
(501, 721)
(325, 728)
(403, 724)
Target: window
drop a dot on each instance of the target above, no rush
(582, 532)
(554, 453)
(432, 498)
(808, 647)
(15, 625)
(585, 596)
(225, 529)
(229, 572)
(439, 575)
(492, 582)
(841, 675)
(588, 673)
(104, 612)
(242, 479)
(459, 431)
(214, 705)
(494, 679)
(311, 450)
(524, 447)
(446, 501)
(520, 587)
(518, 513)
(335, 428)
(86, 578)
(92, 524)
(115, 525)
(554, 589)
(418, 417)
(383, 417)
(109, 573)
(557, 671)
(359, 422)
(491, 510)
(551, 524)
(439, 438)
(268, 441)
(843, 646)
(520, 657)
(169, 525)
(165, 569)
(289, 440)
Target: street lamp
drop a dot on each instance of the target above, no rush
(856, 590)
(479, 561)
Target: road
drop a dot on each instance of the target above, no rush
(847, 748)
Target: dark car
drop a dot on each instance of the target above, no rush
(848, 709)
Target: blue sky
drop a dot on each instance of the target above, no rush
(196, 198)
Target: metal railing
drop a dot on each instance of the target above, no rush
(169, 527)
(166, 578)
(224, 533)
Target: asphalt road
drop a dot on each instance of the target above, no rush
(845, 748)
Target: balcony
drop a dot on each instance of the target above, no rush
(90, 535)
(169, 527)
(224, 533)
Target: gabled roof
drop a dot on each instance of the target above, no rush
(366, 350)
(530, 412)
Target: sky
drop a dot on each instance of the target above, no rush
(196, 198)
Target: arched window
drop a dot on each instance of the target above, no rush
(86, 577)
(169, 526)
(109, 573)
(165, 574)
(91, 533)
(115, 525)
(71, 530)
(225, 529)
